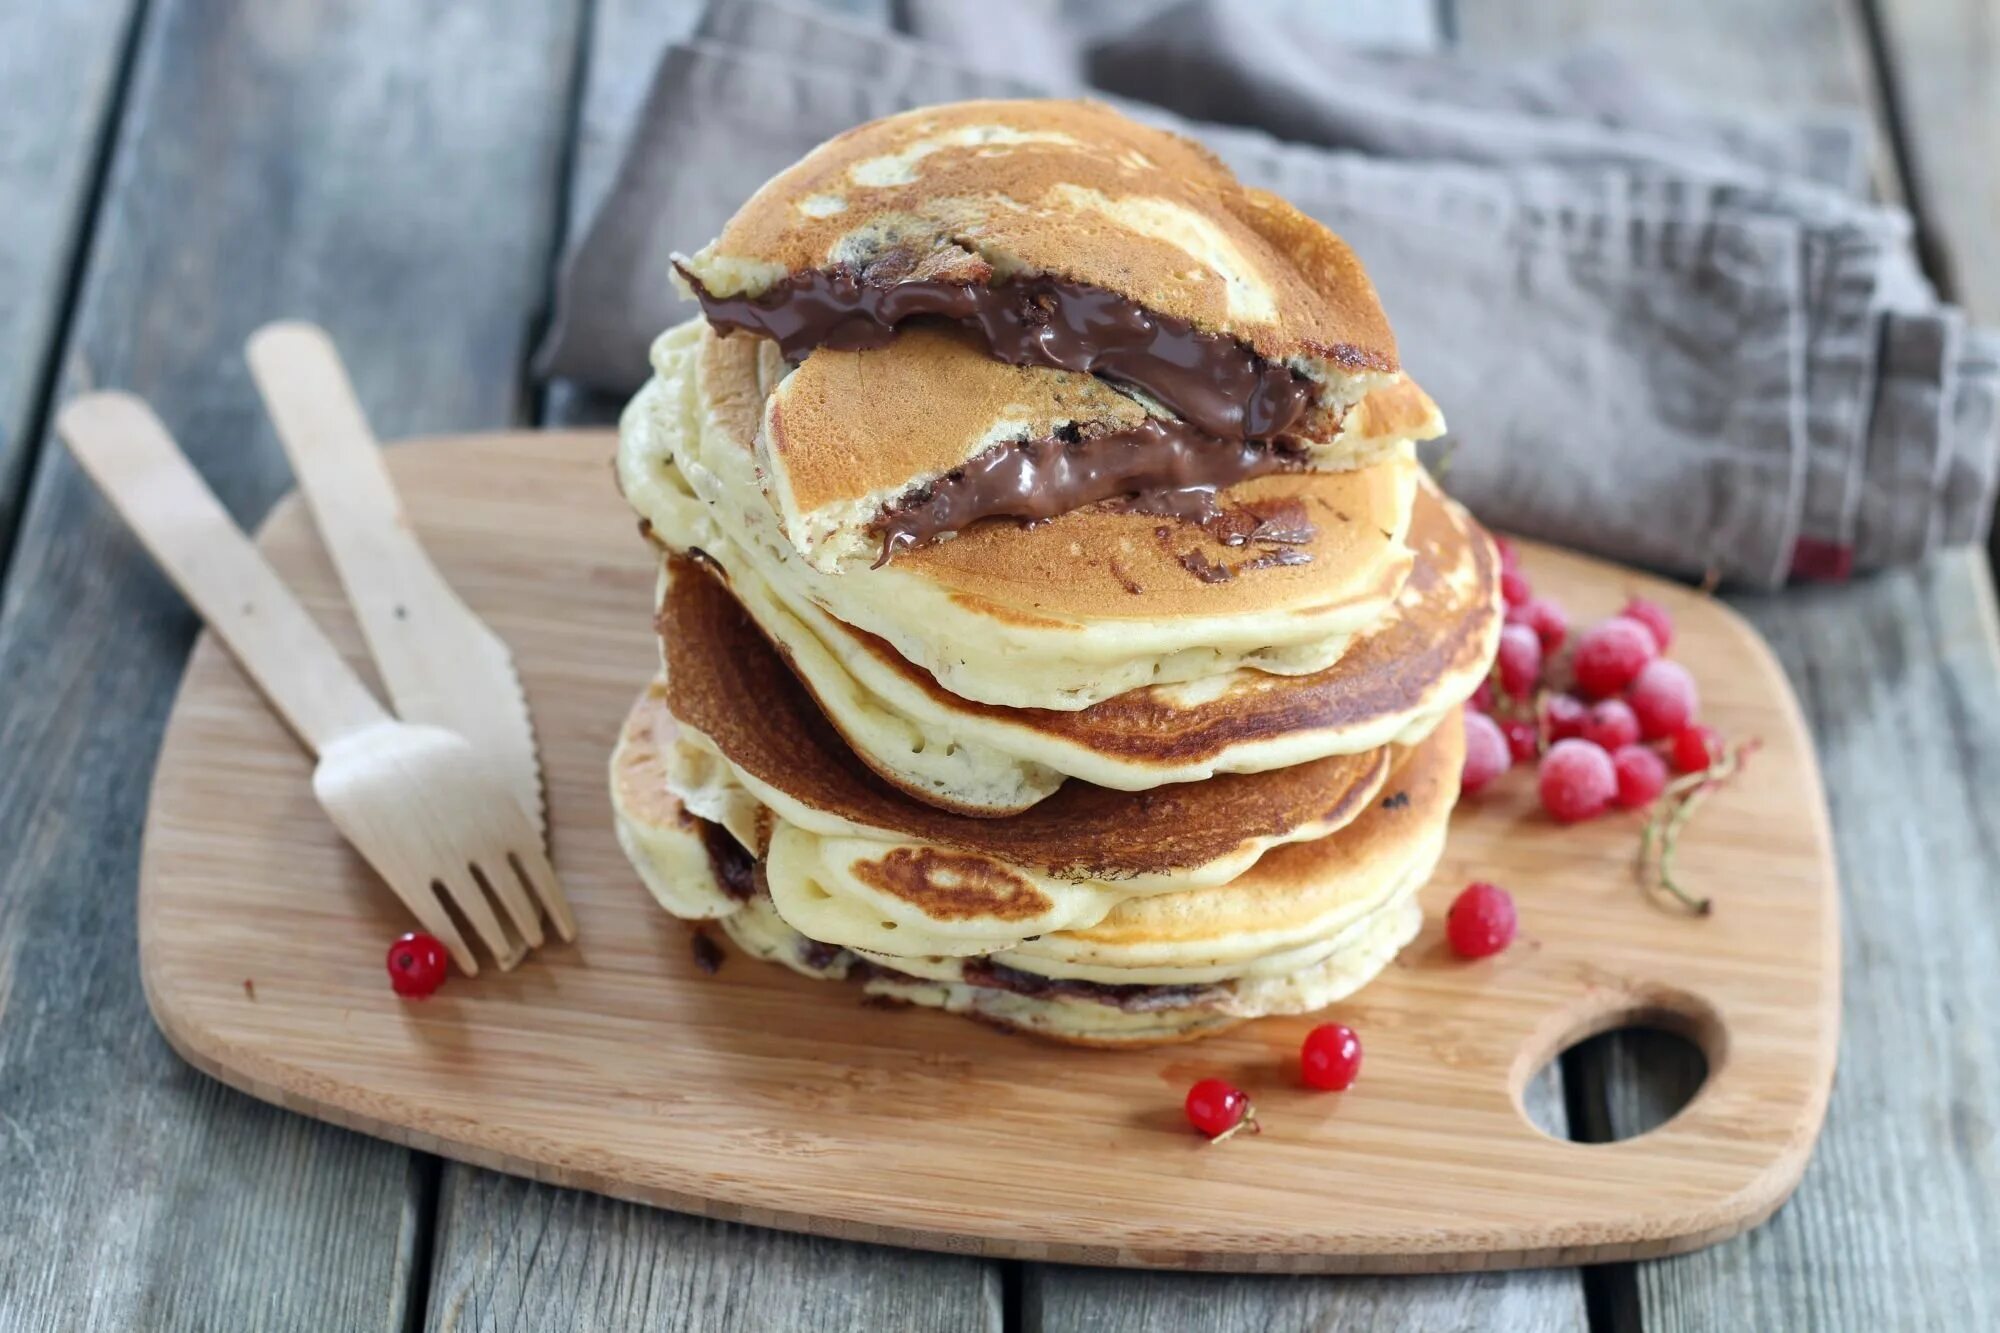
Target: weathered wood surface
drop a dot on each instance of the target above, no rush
(386, 170)
(512, 1254)
(59, 80)
(1900, 678)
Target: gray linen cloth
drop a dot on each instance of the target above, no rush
(1660, 336)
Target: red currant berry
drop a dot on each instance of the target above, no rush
(1610, 655)
(1696, 748)
(1481, 921)
(1576, 780)
(1524, 740)
(1486, 753)
(1563, 714)
(1330, 1058)
(1663, 698)
(1520, 661)
(1546, 618)
(417, 965)
(1642, 776)
(1482, 698)
(1654, 617)
(1218, 1109)
(1514, 589)
(1610, 724)
(1510, 559)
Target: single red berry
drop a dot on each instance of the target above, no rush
(417, 965)
(1482, 698)
(1563, 715)
(1514, 587)
(1486, 753)
(1546, 618)
(1520, 661)
(1642, 775)
(1654, 617)
(1330, 1058)
(1576, 780)
(1610, 655)
(1663, 698)
(1696, 748)
(1510, 559)
(1481, 921)
(1524, 739)
(1609, 724)
(1217, 1109)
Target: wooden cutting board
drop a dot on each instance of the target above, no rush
(762, 1097)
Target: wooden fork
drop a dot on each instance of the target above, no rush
(414, 800)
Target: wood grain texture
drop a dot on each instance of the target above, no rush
(59, 68)
(766, 1097)
(387, 170)
(515, 1254)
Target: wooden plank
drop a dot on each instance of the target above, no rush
(515, 1254)
(60, 66)
(1940, 56)
(386, 170)
(1900, 678)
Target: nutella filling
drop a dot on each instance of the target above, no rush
(1163, 467)
(1213, 380)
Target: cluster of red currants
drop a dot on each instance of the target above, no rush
(1606, 738)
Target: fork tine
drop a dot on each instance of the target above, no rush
(506, 886)
(430, 914)
(470, 899)
(534, 867)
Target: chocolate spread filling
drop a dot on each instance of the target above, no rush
(1164, 466)
(735, 869)
(1132, 998)
(1214, 381)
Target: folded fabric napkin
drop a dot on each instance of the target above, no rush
(1661, 336)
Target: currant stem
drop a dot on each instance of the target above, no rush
(1247, 1123)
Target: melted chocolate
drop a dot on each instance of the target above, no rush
(1166, 467)
(1214, 381)
(735, 869)
(1133, 998)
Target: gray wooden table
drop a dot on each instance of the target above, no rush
(174, 172)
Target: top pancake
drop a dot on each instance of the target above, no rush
(848, 432)
(984, 191)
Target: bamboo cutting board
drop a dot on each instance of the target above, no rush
(763, 1097)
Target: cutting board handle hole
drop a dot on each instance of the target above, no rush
(1619, 1065)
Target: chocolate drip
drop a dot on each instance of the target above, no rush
(1164, 466)
(1214, 381)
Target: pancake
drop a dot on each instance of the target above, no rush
(868, 453)
(1305, 926)
(1060, 615)
(1064, 234)
(1392, 685)
(733, 697)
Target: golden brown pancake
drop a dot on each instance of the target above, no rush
(1393, 684)
(927, 435)
(725, 682)
(987, 193)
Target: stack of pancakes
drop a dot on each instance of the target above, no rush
(1057, 626)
